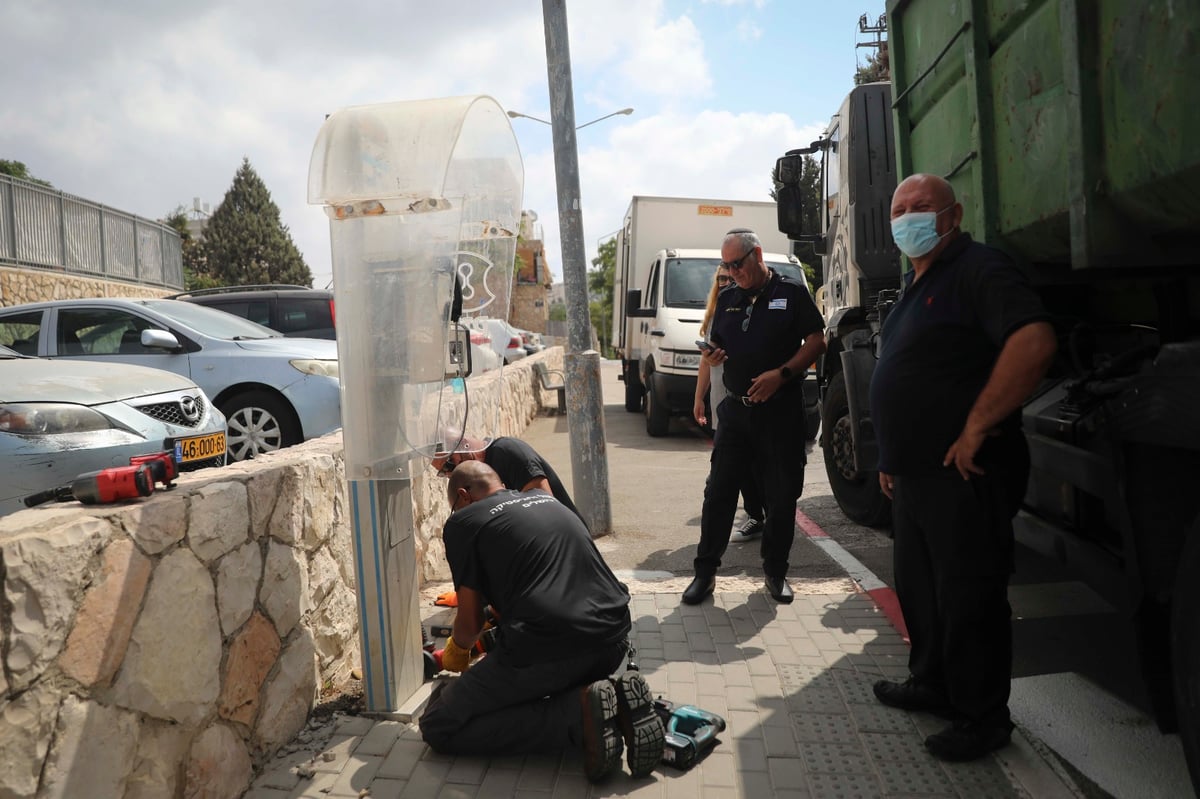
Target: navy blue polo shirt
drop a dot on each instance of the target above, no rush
(937, 349)
(781, 314)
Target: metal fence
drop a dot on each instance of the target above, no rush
(43, 228)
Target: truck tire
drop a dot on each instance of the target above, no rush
(634, 393)
(1185, 651)
(857, 493)
(658, 417)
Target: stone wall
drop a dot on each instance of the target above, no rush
(19, 286)
(169, 646)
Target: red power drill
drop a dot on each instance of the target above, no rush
(162, 464)
(106, 485)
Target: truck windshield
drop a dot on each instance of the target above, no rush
(688, 281)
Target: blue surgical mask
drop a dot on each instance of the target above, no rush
(916, 233)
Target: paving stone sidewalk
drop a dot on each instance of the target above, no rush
(792, 681)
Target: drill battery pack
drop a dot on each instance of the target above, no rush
(690, 732)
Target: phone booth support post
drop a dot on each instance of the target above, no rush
(424, 201)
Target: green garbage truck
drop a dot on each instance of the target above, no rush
(1070, 130)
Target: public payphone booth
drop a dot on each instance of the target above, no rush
(424, 201)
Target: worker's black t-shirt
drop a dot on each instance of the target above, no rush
(937, 350)
(783, 314)
(517, 463)
(537, 566)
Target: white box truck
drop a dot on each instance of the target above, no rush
(667, 252)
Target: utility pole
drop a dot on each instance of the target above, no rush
(585, 404)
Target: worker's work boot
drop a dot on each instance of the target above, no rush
(601, 740)
(750, 530)
(641, 726)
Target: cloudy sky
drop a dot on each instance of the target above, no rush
(143, 105)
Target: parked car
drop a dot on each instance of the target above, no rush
(62, 418)
(506, 341)
(274, 391)
(483, 357)
(531, 341)
(290, 310)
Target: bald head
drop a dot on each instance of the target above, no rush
(471, 481)
(924, 195)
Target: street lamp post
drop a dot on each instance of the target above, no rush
(622, 112)
(581, 365)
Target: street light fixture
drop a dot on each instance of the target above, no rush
(622, 112)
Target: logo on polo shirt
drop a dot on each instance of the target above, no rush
(779, 304)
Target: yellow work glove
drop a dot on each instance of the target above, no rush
(454, 657)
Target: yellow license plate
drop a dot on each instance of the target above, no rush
(199, 448)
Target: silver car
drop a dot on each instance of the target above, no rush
(275, 391)
(61, 419)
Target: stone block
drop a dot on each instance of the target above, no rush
(157, 523)
(238, 578)
(218, 766)
(96, 644)
(288, 696)
(162, 747)
(26, 727)
(251, 656)
(172, 667)
(93, 752)
(218, 519)
(284, 592)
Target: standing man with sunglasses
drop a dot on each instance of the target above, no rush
(767, 332)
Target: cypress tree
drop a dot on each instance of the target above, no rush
(245, 242)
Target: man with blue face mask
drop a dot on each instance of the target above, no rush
(966, 344)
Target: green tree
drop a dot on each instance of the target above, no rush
(876, 69)
(246, 243)
(600, 288)
(16, 169)
(195, 276)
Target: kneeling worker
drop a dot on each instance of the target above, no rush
(562, 630)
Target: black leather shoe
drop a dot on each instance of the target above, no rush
(911, 695)
(779, 589)
(969, 740)
(701, 587)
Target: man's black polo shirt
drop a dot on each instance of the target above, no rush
(783, 315)
(937, 350)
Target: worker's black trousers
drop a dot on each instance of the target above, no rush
(953, 554)
(767, 441)
(495, 708)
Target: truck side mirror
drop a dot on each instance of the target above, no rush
(790, 205)
(633, 302)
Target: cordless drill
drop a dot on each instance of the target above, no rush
(101, 487)
(162, 464)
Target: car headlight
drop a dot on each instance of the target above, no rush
(681, 360)
(50, 418)
(311, 366)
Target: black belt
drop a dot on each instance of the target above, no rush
(749, 403)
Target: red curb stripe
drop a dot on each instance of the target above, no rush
(884, 598)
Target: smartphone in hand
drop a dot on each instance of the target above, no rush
(704, 345)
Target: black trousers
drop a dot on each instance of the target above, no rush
(497, 709)
(767, 441)
(953, 554)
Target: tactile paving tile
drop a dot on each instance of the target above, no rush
(817, 700)
(884, 747)
(916, 777)
(844, 786)
(877, 718)
(857, 687)
(795, 675)
(835, 758)
(824, 727)
(982, 779)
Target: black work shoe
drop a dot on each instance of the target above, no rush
(969, 740)
(701, 587)
(779, 589)
(601, 740)
(644, 734)
(911, 695)
(747, 532)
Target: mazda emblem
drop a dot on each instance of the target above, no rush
(190, 408)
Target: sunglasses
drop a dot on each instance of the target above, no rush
(733, 266)
(724, 280)
(746, 321)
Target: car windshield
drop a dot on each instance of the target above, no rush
(209, 321)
